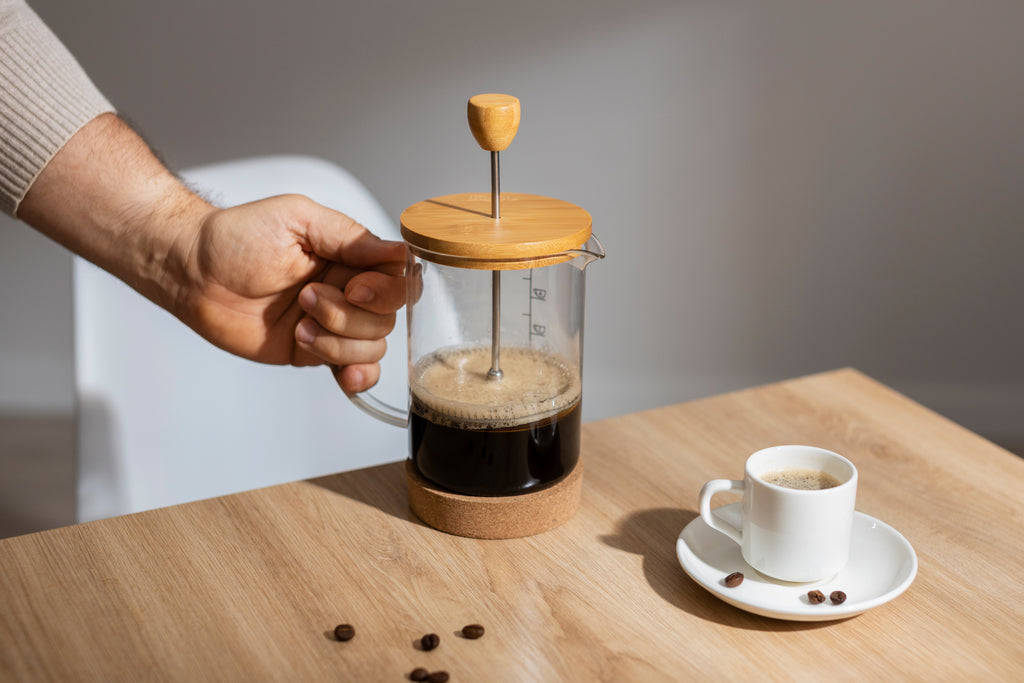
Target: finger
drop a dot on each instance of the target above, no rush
(303, 359)
(314, 339)
(369, 251)
(327, 305)
(339, 274)
(357, 377)
(376, 292)
(414, 285)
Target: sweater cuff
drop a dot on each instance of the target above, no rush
(45, 98)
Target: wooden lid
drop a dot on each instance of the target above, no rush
(458, 230)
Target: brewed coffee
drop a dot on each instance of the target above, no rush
(483, 436)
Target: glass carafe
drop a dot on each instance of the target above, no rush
(494, 414)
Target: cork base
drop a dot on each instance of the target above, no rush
(498, 516)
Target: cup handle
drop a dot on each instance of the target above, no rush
(385, 412)
(710, 489)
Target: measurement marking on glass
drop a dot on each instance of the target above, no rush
(536, 294)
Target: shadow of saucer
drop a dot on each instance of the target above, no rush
(652, 534)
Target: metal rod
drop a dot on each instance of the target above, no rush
(495, 371)
(495, 186)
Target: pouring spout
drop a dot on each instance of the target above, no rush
(591, 251)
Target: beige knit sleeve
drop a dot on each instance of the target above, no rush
(45, 98)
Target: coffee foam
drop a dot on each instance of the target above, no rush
(451, 387)
(801, 478)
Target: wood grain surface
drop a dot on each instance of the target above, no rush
(531, 232)
(250, 586)
(493, 120)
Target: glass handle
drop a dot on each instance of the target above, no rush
(385, 412)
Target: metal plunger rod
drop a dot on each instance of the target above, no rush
(495, 370)
(495, 185)
(494, 120)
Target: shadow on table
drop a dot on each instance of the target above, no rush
(380, 486)
(652, 534)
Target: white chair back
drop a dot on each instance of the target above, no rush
(164, 417)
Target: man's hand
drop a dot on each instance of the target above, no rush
(282, 280)
(287, 281)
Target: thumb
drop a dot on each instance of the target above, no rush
(334, 236)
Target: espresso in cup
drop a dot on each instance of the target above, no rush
(482, 436)
(802, 478)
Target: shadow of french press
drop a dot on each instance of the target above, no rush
(379, 486)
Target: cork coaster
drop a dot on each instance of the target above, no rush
(494, 516)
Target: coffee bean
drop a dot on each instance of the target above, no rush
(837, 597)
(418, 674)
(430, 641)
(473, 631)
(816, 597)
(438, 677)
(344, 632)
(734, 579)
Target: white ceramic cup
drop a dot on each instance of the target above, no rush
(796, 535)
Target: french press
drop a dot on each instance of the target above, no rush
(495, 294)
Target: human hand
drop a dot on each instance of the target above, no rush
(233, 275)
(287, 281)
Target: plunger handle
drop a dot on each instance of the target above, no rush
(494, 120)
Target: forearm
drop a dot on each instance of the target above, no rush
(45, 98)
(106, 197)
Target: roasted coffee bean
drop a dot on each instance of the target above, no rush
(473, 631)
(418, 674)
(438, 677)
(837, 597)
(344, 632)
(734, 579)
(816, 597)
(430, 641)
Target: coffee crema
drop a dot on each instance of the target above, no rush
(802, 478)
(451, 387)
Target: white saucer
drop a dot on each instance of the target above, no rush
(882, 565)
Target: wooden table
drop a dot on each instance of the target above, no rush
(250, 586)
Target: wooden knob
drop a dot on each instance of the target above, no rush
(494, 120)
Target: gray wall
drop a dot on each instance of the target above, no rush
(782, 187)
